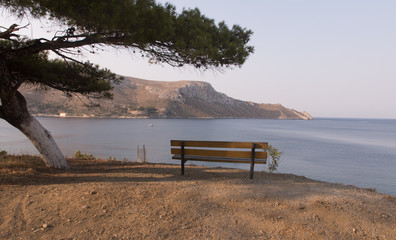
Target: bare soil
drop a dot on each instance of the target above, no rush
(123, 200)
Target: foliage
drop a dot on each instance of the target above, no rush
(65, 76)
(275, 156)
(83, 156)
(111, 158)
(3, 153)
(154, 30)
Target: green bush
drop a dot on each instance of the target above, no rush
(274, 158)
(3, 153)
(83, 156)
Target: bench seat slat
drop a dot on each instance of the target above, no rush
(219, 153)
(213, 144)
(219, 159)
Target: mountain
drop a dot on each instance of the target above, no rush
(156, 99)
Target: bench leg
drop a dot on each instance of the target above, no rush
(182, 158)
(251, 170)
(252, 160)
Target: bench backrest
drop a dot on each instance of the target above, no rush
(235, 152)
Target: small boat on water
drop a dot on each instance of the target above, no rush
(150, 125)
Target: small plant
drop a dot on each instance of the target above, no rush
(83, 156)
(275, 156)
(3, 153)
(111, 159)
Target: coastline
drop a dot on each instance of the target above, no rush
(148, 117)
(146, 201)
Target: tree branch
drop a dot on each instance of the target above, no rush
(67, 58)
(84, 103)
(10, 31)
(60, 43)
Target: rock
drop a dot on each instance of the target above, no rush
(179, 99)
(375, 236)
(304, 115)
(384, 215)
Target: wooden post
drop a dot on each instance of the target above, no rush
(182, 158)
(144, 153)
(252, 160)
(141, 154)
(138, 155)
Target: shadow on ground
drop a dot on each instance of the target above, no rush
(28, 170)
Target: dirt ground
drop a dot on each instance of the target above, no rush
(124, 200)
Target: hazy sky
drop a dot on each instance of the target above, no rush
(331, 58)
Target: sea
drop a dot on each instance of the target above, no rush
(360, 152)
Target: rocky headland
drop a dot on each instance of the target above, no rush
(138, 98)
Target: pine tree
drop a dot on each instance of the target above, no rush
(145, 27)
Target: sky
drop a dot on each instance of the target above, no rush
(331, 58)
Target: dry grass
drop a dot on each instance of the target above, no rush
(19, 168)
(24, 169)
(19, 162)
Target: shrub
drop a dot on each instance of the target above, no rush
(274, 158)
(3, 153)
(83, 156)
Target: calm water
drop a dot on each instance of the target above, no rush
(360, 152)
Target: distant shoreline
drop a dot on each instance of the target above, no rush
(145, 117)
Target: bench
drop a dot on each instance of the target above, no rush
(214, 151)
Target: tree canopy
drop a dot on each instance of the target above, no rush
(145, 27)
(156, 30)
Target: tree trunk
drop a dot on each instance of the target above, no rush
(13, 109)
(38, 135)
(45, 144)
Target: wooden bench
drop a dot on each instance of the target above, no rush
(213, 151)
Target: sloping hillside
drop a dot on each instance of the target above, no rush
(157, 99)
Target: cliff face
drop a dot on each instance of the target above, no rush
(141, 98)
